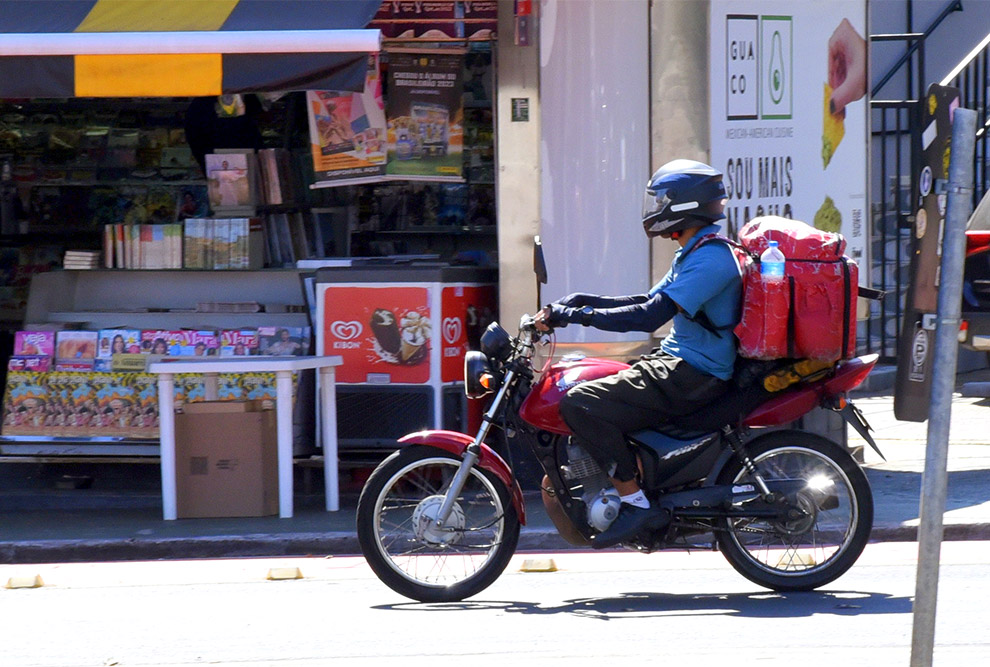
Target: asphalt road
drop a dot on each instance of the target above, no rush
(598, 607)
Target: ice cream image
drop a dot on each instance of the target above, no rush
(416, 332)
(386, 330)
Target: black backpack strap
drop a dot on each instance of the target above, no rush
(701, 318)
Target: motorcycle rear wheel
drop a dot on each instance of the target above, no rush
(397, 533)
(808, 552)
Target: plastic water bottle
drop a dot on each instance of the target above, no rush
(772, 263)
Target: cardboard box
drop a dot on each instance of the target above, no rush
(213, 407)
(226, 461)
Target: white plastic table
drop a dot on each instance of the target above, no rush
(283, 367)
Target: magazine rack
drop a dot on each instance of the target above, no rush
(150, 299)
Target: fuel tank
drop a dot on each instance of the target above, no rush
(540, 407)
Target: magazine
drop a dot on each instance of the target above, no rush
(258, 386)
(229, 180)
(116, 403)
(118, 341)
(26, 403)
(238, 342)
(75, 345)
(29, 362)
(202, 343)
(157, 341)
(34, 343)
(283, 341)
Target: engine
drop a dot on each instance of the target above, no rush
(599, 497)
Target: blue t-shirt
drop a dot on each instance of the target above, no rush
(706, 280)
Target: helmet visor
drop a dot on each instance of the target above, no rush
(654, 202)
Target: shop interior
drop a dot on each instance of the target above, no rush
(76, 171)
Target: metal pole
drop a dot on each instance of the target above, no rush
(935, 478)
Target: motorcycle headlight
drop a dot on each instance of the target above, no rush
(496, 342)
(479, 379)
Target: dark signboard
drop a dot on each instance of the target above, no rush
(912, 390)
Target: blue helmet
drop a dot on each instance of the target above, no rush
(682, 194)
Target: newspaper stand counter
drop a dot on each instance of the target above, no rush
(403, 330)
(283, 367)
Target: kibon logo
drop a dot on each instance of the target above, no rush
(346, 332)
(452, 329)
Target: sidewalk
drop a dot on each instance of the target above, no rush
(105, 525)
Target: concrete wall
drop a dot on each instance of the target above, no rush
(518, 178)
(678, 97)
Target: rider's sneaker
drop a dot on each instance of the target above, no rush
(631, 522)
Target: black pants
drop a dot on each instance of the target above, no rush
(656, 388)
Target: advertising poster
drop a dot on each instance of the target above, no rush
(384, 334)
(408, 19)
(789, 113)
(466, 311)
(912, 388)
(425, 117)
(347, 132)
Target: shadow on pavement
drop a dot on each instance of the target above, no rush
(901, 492)
(636, 605)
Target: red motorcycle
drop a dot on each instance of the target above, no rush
(439, 519)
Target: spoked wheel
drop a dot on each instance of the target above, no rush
(828, 531)
(399, 536)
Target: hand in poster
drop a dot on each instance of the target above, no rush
(846, 66)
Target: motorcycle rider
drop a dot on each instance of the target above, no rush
(693, 364)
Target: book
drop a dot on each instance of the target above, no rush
(75, 345)
(255, 242)
(238, 342)
(194, 243)
(108, 246)
(284, 239)
(283, 341)
(238, 243)
(32, 343)
(173, 245)
(118, 341)
(221, 243)
(119, 256)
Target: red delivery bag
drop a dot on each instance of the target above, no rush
(811, 314)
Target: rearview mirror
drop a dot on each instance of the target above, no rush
(539, 263)
(539, 268)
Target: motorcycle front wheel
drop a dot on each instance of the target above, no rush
(397, 531)
(831, 528)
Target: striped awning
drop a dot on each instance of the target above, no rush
(162, 48)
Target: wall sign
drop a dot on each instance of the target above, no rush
(774, 134)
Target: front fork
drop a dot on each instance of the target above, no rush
(472, 453)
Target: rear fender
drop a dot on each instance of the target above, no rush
(455, 443)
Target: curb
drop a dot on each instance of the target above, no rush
(337, 544)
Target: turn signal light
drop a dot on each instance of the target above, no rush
(485, 380)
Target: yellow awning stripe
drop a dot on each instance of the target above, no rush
(198, 74)
(151, 15)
